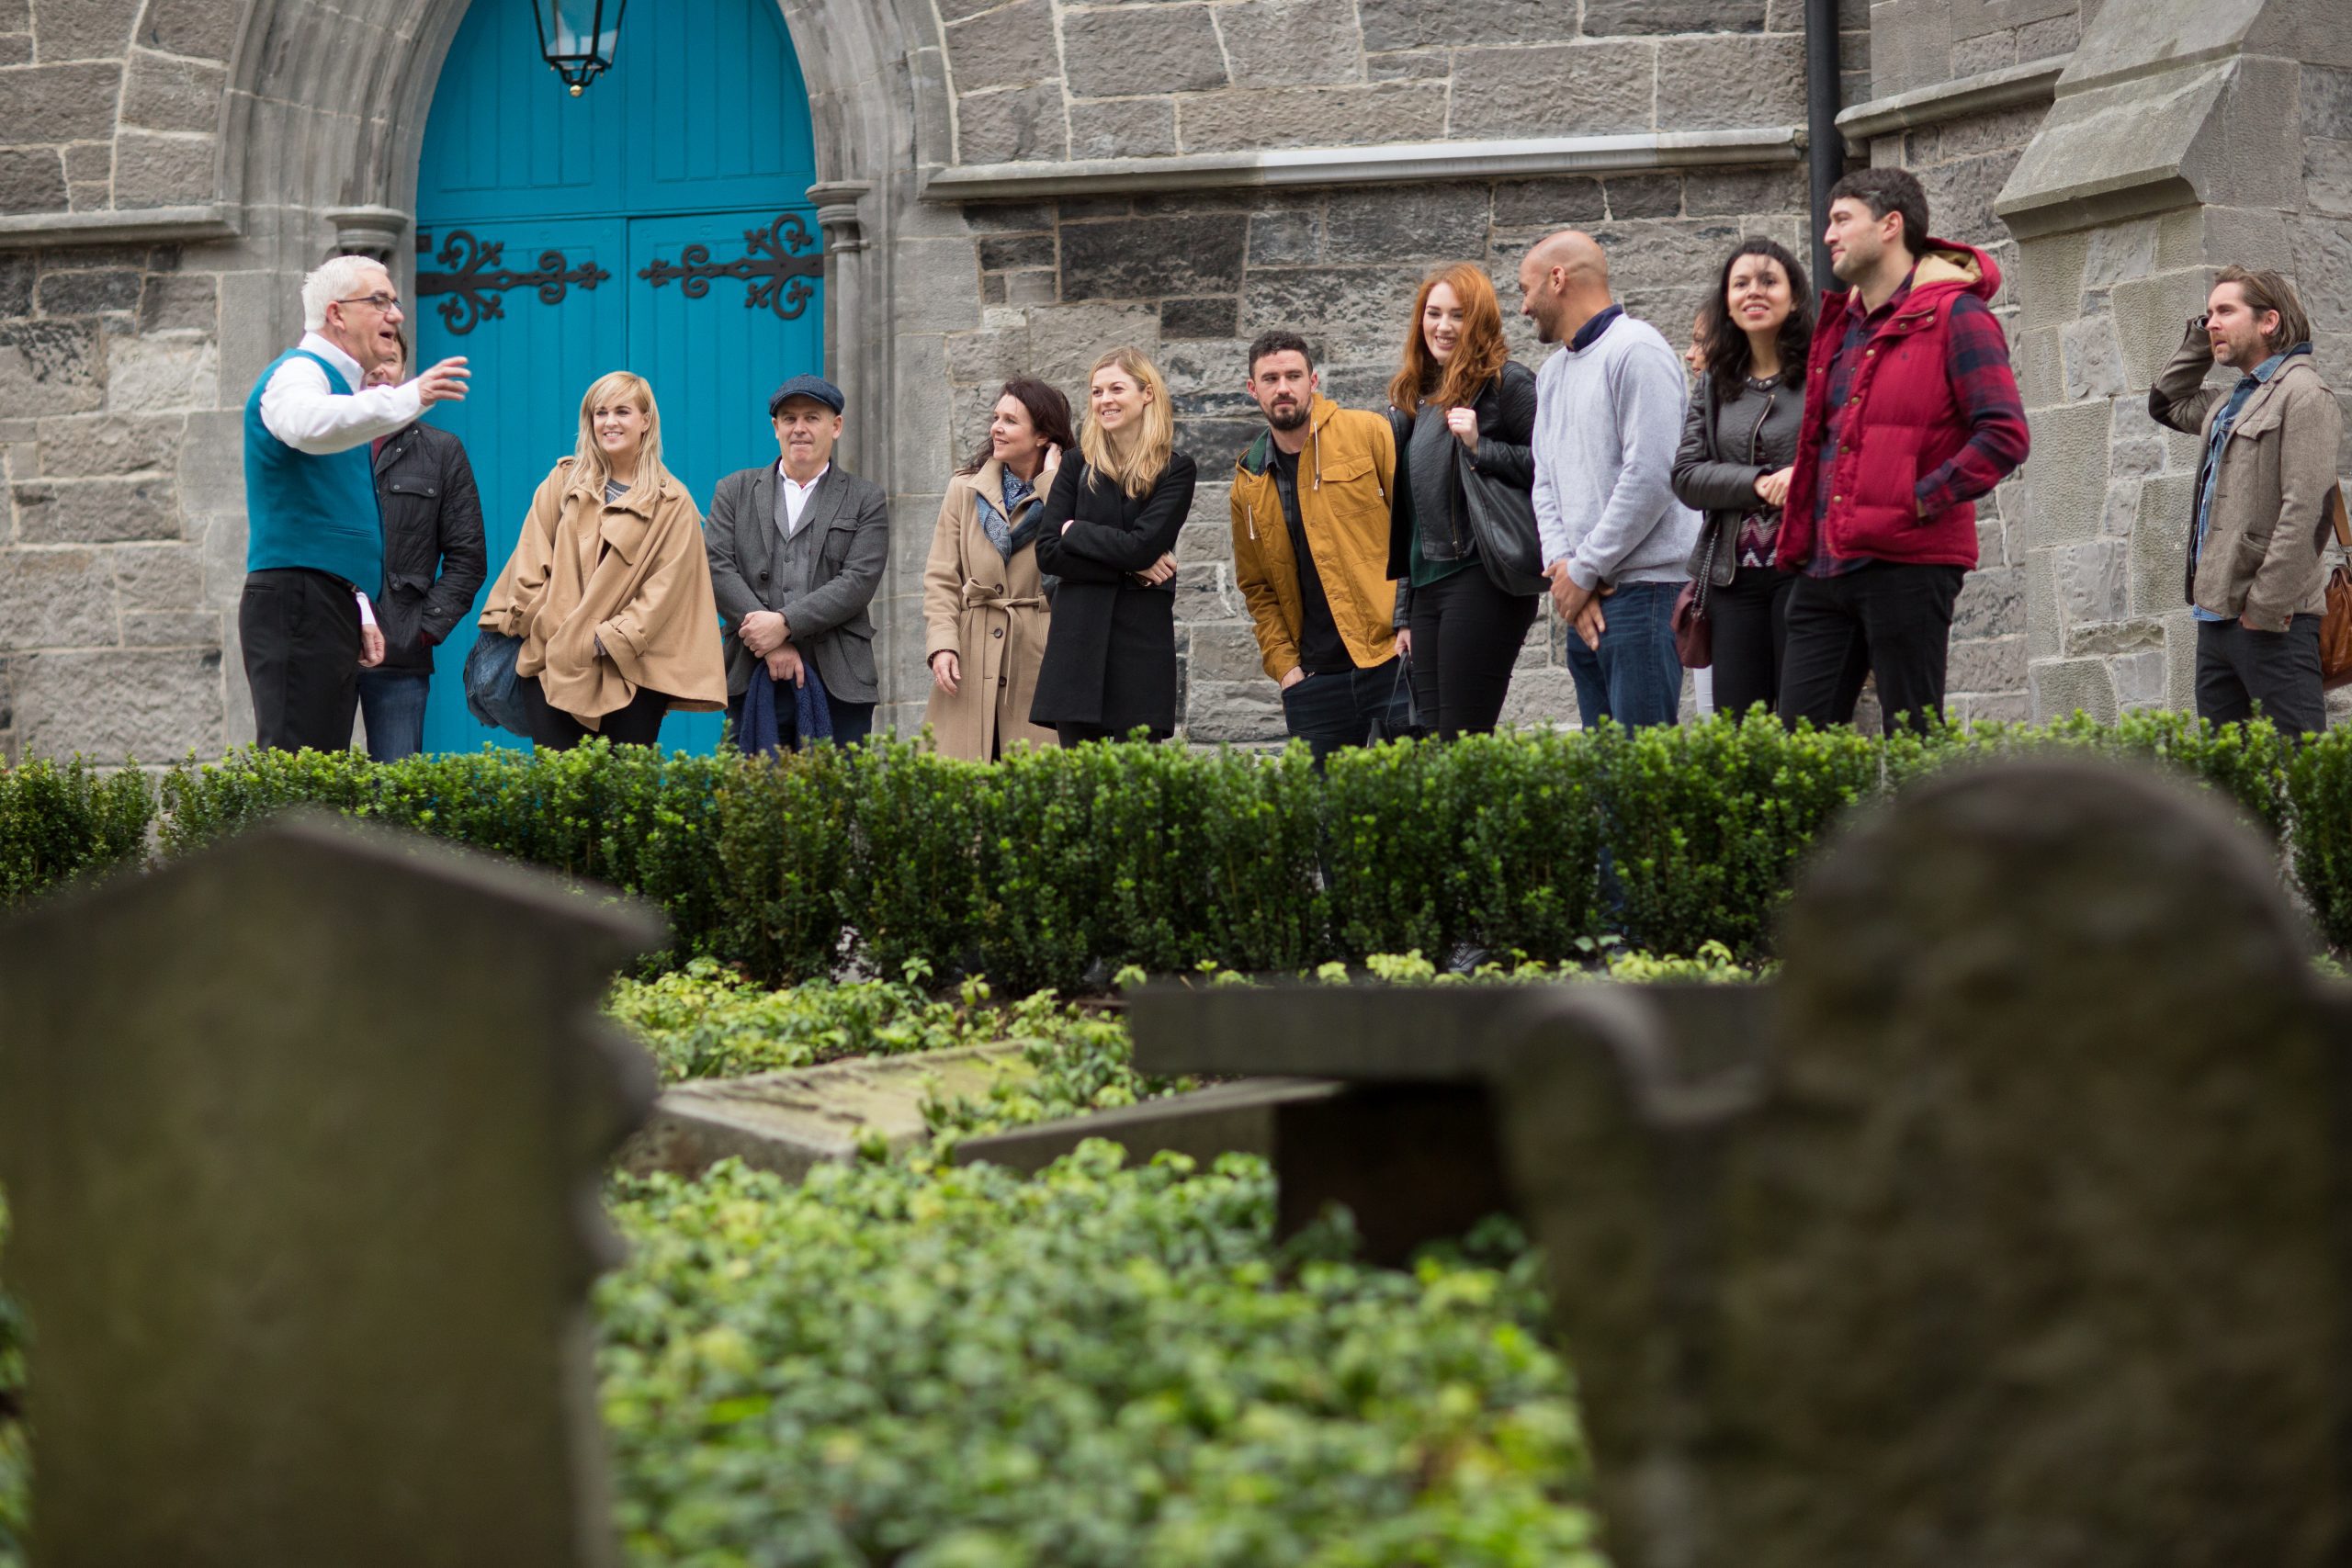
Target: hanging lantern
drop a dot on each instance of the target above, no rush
(577, 36)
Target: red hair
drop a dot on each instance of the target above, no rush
(1478, 354)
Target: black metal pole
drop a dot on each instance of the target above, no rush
(1826, 149)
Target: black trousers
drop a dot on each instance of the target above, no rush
(300, 630)
(1751, 630)
(640, 724)
(1889, 619)
(1079, 734)
(2237, 668)
(1466, 634)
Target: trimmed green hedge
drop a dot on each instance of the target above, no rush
(1057, 868)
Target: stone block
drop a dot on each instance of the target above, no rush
(2324, 269)
(1285, 239)
(1607, 18)
(1726, 193)
(89, 292)
(2090, 580)
(1140, 258)
(2122, 508)
(1408, 65)
(164, 92)
(19, 270)
(1646, 196)
(1549, 203)
(1286, 43)
(55, 599)
(1312, 116)
(70, 102)
(2150, 314)
(1213, 318)
(85, 30)
(1029, 288)
(1359, 313)
(91, 445)
(2107, 638)
(1011, 46)
(1561, 90)
(1707, 83)
(2140, 679)
(2327, 175)
(1961, 197)
(1009, 253)
(986, 359)
(2042, 628)
(2064, 686)
(163, 170)
(2262, 147)
(162, 374)
(1991, 603)
(258, 316)
(49, 365)
(158, 577)
(204, 28)
(1986, 665)
(32, 179)
(2327, 92)
(1227, 653)
(1123, 128)
(180, 302)
(2160, 543)
(1010, 126)
(70, 702)
(1415, 24)
(1217, 443)
(96, 511)
(171, 628)
(2117, 252)
(1009, 216)
(1541, 697)
(2039, 358)
(2050, 278)
(2093, 363)
(1407, 223)
(2066, 477)
(211, 463)
(1065, 342)
(1151, 48)
(1241, 712)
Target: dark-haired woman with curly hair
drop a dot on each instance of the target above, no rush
(1739, 442)
(1458, 402)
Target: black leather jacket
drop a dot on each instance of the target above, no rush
(1506, 411)
(434, 556)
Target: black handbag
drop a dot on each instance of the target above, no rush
(1378, 730)
(1502, 519)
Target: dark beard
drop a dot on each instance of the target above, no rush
(1292, 420)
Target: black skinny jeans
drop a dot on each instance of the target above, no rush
(1466, 636)
(1751, 627)
(1887, 619)
(640, 724)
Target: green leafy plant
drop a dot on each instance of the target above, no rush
(65, 822)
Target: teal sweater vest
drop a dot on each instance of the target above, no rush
(304, 510)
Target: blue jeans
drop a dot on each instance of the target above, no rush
(1339, 708)
(392, 702)
(1634, 677)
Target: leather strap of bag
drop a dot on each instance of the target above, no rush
(2336, 518)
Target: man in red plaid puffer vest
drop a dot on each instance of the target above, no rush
(1911, 412)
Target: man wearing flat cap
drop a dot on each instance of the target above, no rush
(798, 548)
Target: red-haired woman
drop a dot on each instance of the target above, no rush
(1461, 406)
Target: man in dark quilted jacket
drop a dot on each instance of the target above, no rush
(1910, 414)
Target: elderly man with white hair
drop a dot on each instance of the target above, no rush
(314, 548)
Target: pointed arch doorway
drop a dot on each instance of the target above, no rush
(658, 223)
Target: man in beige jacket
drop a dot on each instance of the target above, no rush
(2255, 583)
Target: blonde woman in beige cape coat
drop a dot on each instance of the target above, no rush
(609, 586)
(985, 616)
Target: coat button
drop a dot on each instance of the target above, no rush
(999, 681)
(999, 632)
(763, 577)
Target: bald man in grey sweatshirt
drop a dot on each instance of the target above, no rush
(1608, 418)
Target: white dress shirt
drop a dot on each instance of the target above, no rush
(795, 496)
(303, 410)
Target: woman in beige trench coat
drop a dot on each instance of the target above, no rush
(986, 608)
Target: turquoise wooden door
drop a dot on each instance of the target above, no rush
(657, 223)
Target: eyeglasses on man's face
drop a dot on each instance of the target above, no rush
(384, 303)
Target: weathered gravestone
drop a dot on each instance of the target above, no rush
(2011, 1227)
(301, 1138)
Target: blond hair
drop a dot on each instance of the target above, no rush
(1135, 458)
(588, 470)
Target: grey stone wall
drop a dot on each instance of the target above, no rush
(2185, 137)
(1044, 79)
(1192, 279)
(113, 458)
(111, 103)
(1921, 43)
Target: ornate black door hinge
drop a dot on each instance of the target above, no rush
(474, 280)
(778, 277)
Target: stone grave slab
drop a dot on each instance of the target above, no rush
(792, 1120)
(1233, 1118)
(302, 1139)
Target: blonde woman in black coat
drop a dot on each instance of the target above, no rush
(1110, 525)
